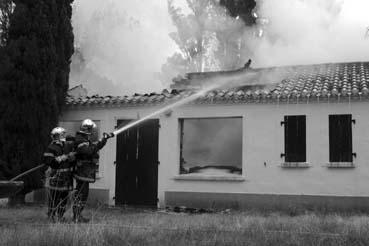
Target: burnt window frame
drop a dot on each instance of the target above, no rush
(294, 152)
(335, 150)
(181, 134)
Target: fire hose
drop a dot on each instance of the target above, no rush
(27, 172)
(105, 135)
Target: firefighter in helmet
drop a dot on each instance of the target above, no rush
(86, 162)
(60, 157)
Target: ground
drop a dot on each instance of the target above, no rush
(28, 225)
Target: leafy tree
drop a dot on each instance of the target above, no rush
(210, 37)
(34, 62)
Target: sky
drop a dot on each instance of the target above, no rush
(124, 43)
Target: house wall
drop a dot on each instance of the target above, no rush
(263, 142)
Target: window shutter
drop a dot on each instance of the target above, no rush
(340, 138)
(295, 138)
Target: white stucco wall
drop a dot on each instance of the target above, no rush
(263, 141)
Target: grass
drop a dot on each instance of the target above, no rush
(29, 226)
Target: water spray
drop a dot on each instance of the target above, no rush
(235, 79)
(164, 109)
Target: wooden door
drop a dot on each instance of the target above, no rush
(137, 164)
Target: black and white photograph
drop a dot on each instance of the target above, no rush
(184, 122)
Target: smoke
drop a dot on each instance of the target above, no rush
(204, 142)
(310, 31)
(120, 45)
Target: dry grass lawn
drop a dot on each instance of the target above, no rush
(29, 226)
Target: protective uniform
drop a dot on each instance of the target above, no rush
(86, 163)
(60, 158)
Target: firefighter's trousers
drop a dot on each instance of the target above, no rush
(57, 203)
(80, 197)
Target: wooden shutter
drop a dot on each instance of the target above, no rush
(295, 138)
(340, 138)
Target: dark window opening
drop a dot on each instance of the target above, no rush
(295, 138)
(211, 146)
(340, 138)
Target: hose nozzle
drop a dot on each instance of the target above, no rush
(108, 135)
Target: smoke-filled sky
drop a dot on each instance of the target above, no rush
(312, 31)
(123, 44)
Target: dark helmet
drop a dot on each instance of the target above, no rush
(87, 126)
(58, 134)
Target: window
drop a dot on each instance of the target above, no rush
(340, 138)
(211, 146)
(295, 138)
(73, 126)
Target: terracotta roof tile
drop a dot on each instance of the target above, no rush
(322, 81)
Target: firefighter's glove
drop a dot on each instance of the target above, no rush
(72, 156)
(61, 158)
(48, 172)
(108, 135)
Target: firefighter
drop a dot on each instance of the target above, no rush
(86, 162)
(60, 159)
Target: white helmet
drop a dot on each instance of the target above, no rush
(87, 126)
(58, 133)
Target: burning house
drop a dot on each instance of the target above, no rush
(272, 137)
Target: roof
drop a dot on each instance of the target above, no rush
(319, 82)
(77, 91)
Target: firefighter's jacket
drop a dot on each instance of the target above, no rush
(60, 158)
(87, 157)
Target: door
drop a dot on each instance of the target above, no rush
(137, 164)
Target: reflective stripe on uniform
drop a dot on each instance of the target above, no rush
(83, 178)
(65, 188)
(82, 162)
(83, 144)
(49, 154)
(63, 170)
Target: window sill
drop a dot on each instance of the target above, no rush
(295, 165)
(340, 165)
(198, 177)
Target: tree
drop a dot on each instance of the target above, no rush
(6, 8)
(210, 37)
(34, 62)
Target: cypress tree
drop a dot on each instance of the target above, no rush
(34, 73)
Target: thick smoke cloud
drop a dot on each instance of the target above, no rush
(121, 45)
(311, 31)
